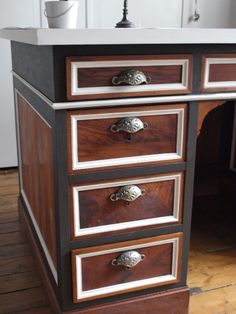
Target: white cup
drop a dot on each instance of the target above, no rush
(62, 14)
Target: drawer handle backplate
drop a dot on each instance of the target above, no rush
(131, 77)
(127, 193)
(128, 259)
(129, 125)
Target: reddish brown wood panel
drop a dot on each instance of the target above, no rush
(220, 72)
(158, 261)
(102, 76)
(37, 171)
(96, 141)
(95, 77)
(174, 301)
(96, 208)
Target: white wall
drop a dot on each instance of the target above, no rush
(21, 13)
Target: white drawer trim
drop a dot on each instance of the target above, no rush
(177, 178)
(177, 155)
(223, 84)
(81, 294)
(75, 65)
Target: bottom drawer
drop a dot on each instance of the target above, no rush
(128, 266)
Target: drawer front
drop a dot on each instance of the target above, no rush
(127, 76)
(104, 270)
(127, 205)
(219, 73)
(103, 138)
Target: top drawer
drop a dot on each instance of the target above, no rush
(127, 76)
(218, 73)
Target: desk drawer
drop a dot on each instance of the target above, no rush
(126, 136)
(103, 271)
(219, 73)
(121, 206)
(127, 76)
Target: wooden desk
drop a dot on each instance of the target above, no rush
(106, 141)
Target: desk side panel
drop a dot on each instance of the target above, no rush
(36, 162)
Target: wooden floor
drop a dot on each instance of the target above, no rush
(21, 291)
(212, 265)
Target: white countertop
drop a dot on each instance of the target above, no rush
(44, 36)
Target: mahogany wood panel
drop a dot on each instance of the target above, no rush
(102, 76)
(95, 77)
(157, 262)
(222, 72)
(37, 171)
(219, 72)
(174, 301)
(96, 209)
(95, 141)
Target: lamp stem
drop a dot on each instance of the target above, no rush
(125, 23)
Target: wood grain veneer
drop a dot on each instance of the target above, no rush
(219, 72)
(95, 209)
(159, 261)
(96, 142)
(169, 74)
(37, 171)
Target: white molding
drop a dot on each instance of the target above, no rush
(141, 100)
(233, 145)
(177, 178)
(36, 227)
(177, 155)
(76, 90)
(215, 84)
(81, 294)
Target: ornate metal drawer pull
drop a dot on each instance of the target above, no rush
(129, 125)
(131, 77)
(128, 259)
(127, 193)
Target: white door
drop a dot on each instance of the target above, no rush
(21, 13)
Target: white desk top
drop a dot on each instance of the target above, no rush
(44, 36)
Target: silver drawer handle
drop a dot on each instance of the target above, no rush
(128, 259)
(131, 77)
(129, 125)
(127, 193)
